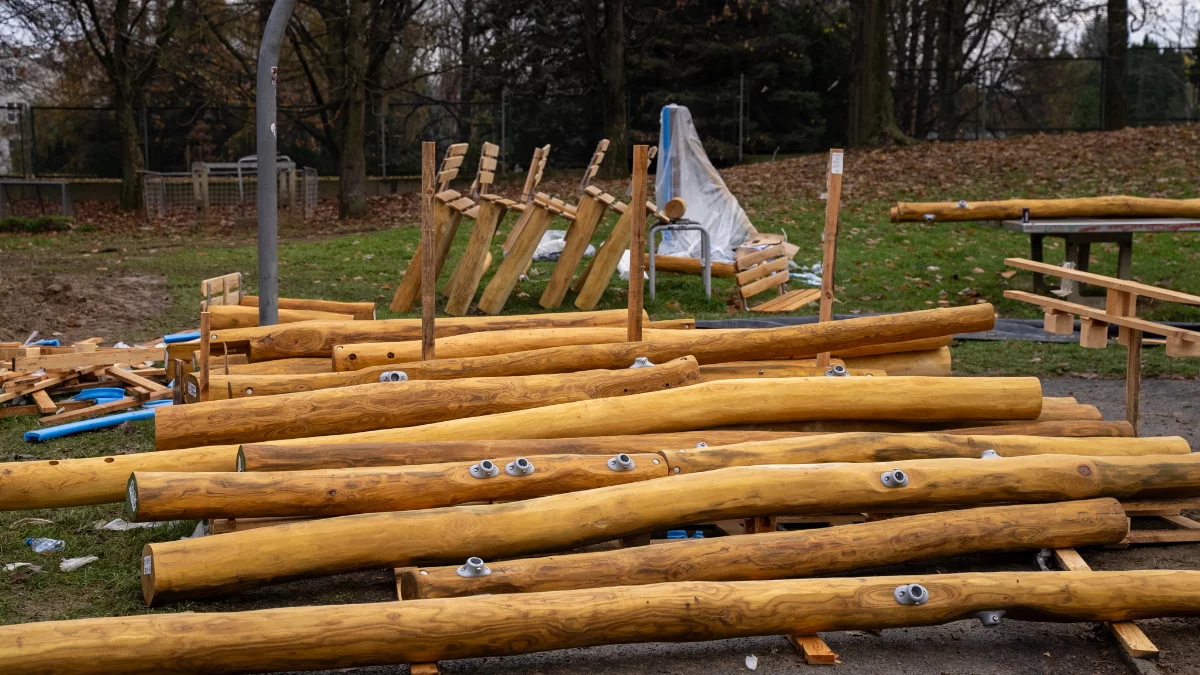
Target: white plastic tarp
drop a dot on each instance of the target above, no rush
(684, 171)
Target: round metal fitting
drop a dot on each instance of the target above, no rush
(474, 568)
(911, 594)
(642, 362)
(837, 371)
(989, 454)
(702, 444)
(485, 469)
(393, 376)
(894, 478)
(962, 204)
(990, 617)
(621, 462)
(519, 467)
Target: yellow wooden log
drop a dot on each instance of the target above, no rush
(339, 636)
(295, 366)
(362, 311)
(923, 345)
(239, 316)
(334, 492)
(933, 363)
(388, 405)
(1079, 207)
(227, 525)
(782, 555)
(319, 337)
(241, 560)
(340, 492)
(742, 370)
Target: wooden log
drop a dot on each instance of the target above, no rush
(340, 492)
(240, 316)
(294, 366)
(274, 457)
(719, 347)
(318, 338)
(781, 555)
(227, 525)
(740, 370)
(680, 265)
(367, 354)
(333, 492)
(362, 311)
(241, 560)
(339, 636)
(933, 363)
(388, 405)
(429, 253)
(1079, 207)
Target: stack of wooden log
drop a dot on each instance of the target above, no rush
(511, 483)
(54, 381)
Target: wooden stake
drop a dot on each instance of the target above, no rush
(428, 252)
(205, 347)
(637, 241)
(177, 375)
(1133, 379)
(833, 198)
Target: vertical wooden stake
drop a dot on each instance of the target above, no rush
(833, 199)
(637, 240)
(1133, 379)
(428, 251)
(177, 375)
(205, 346)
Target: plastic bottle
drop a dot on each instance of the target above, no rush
(44, 545)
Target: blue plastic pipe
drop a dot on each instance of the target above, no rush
(181, 337)
(97, 423)
(99, 392)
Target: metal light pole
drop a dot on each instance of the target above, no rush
(268, 188)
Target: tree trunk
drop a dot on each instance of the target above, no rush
(1116, 103)
(352, 189)
(616, 124)
(870, 88)
(132, 161)
(951, 27)
(924, 80)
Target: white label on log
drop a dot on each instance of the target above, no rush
(146, 565)
(835, 163)
(192, 389)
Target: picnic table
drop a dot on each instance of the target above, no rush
(1080, 233)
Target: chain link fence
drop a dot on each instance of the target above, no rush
(227, 191)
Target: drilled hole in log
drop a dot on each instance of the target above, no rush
(353, 357)
(109, 460)
(1085, 471)
(391, 355)
(54, 462)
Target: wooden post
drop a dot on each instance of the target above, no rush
(637, 241)
(205, 346)
(1133, 379)
(428, 252)
(177, 374)
(833, 198)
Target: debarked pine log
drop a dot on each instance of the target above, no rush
(224, 317)
(241, 560)
(340, 492)
(336, 492)
(932, 363)
(799, 553)
(318, 338)
(1079, 207)
(388, 405)
(275, 457)
(339, 636)
(707, 346)
(362, 311)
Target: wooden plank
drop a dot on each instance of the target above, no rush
(507, 274)
(107, 357)
(459, 149)
(1125, 285)
(1182, 521)
(43, 402)
(833, 200)
(1159, 506)
(1163, 537)
(597, 275)
(206, 336)
(1133, 379)
(761, 270)
(131, 378)
(470, 268)
(1058, 323)
(102, 409)
(13, 392)
(790, 301)
(222, 289)
(751, 259)
(1093, 333)
(1131, 638)
(588, 216)
(429, 252)
(777, 279)
(637, 244)
(1083, 311)
(815, 651)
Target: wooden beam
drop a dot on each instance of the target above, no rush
(428, 254)
(101, 409)
(1083, 311)
(1130, 638)
(43, 402)
(1132, 288)
(131, 379)
(833, 200)
(75, 360)
(637, 244)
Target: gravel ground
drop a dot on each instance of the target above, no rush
(961, 648)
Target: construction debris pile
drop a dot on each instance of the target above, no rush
(514, 481)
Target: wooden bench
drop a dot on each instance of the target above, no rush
(759, 271)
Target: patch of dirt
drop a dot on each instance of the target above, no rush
(75, 307)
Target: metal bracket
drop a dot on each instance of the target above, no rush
(519, 467)
(642, 362)
(621, 462)
(702, 444)
(894, 479)
(485, 469)
(837, 371)
(1042, 558)
(393, 376)
(989, 454)
(990, 617)
(911, 594)
(474, 568)
(962, 204)
(929, 217)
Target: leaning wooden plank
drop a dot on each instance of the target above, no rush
(386, 405)
(1080, 207)
(470, 266)
(107, 357)
(1094, 314)
(362, 311)
(317, 338)
(241, 316)
(579, 234)
(446, 222)
(43, 402)
(496, 293)
(42, 384)
(130, 378)
(1128, 635)
(212, 566)
(1133, 287)
(335, 492)
(101, 409)
(829, 551)
(598, 273)
(339, 636)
